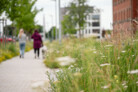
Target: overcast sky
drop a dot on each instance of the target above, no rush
(49, 11)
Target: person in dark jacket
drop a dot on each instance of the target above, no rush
(37, 43)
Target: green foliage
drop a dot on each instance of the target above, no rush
(89, 74)
(40, 28)
(78, 11)
(52, 33)
(22, 13)
(68, 26)
(3, 5)
(52, 64)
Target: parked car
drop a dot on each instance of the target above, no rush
(8, 39)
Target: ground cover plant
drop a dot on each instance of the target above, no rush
(11, 50)
(101, 66)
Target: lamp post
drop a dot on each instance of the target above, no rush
(56, 19)
(59, 23)
(52, 26)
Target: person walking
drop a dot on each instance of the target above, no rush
(22, 42)
(38, 43)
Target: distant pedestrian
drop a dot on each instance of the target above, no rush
(22, 42)
(38, 43)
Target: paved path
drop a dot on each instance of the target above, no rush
(18, 75)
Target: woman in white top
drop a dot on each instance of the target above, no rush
(22, 42)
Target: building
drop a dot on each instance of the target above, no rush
(93, 23)
(125, 16)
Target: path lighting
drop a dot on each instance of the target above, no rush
(59, 23)
(56, 18)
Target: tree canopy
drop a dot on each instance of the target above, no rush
(3, 5)
(76, 18)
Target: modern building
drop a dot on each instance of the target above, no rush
(125, 16)
(93, 23)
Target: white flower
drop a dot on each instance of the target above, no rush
(133, 72)
(125, 86)
(106, 64)
(133, 55)
(67, 60)
(103, 56)
(94, 52)
(105, 87)
(137, 82)
(93, 49)
(57, 51)
(118, 58)
(108, 45)
(124, 83)
(123, 51)
(135, 40)
(77, 74)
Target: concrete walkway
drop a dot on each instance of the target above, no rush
(18, 75)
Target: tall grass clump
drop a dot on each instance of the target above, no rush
(101, 66)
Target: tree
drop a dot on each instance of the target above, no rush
(68, 26)
(52, 33)
(22, 13)
(78, 11)
(3, 5)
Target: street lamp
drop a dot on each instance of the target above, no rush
(59, 22)
(52, 26)
(55, 18)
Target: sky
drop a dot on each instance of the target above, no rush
(49, 12)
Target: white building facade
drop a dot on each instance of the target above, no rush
(92, 27)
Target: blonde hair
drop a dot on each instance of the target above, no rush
(21, 32)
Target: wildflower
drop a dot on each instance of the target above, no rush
(93, 49)
(117, 81)
(124, 83)
(118, 58)
(133, 72)
(105, 87)
(106, 64)
(123, 51)
(133, 55)
(115, 76)
(125, 86)
(63, 61)
(71, 67)
(94, 52)
(135, 40)
(108, 45)
(82, 91)
(57, 51)
(77, 74)
(103, 56)
(56, 82)
(77, 69)
(137, 82)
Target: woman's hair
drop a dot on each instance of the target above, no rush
(36, 30)
(21, 32)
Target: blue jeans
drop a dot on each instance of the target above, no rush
(22, 48)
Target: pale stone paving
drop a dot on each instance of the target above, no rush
(18, 75)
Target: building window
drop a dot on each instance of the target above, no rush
(95, 24)
(96, 17)
(89, 31)
(96, 30)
